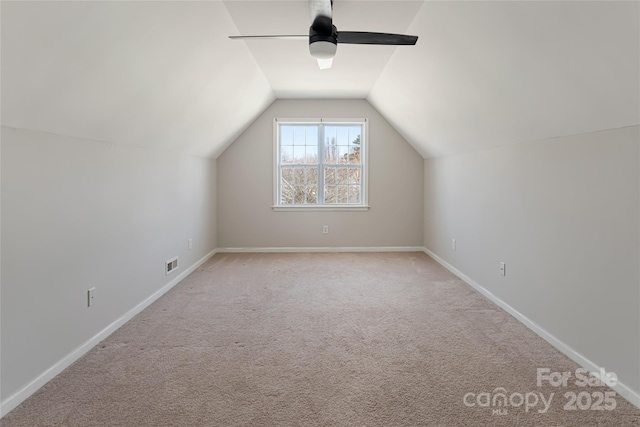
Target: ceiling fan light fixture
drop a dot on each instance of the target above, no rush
(323, 49)
(324, 36)
(325, 64)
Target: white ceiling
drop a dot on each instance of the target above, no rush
(165, 75)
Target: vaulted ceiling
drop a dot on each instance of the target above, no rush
(165, 75)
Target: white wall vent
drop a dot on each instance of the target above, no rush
(170, 265)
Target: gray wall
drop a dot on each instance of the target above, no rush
(78, 214)
(245, 188)
(564, 215)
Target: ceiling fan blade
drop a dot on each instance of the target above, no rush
(320, 8)
(325, 64)
(277, 36)
(363, 37)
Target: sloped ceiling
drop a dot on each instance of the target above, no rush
(151, 74)
(488, 73)
(164, 74)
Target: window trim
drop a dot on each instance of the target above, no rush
(363, 206)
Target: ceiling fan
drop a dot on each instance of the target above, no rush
(324, 37)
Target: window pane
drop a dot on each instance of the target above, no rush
(342, 135)
(312, 155)
(286, 186)
(331, 153)
(343, 153)
(342, 176)
(354, 154)
(286, 154)
(330, 135)
(329, 193)
(286, 197)
(287, 175)
(329, 175)
(299, 135)
(312, 135)
(354, 175)
(298, 194)
(312, 194)
(299, 154)
(354, 194)
(298, 176)
(342, 194)
(286, 135)
(355, 133)
(312, 176)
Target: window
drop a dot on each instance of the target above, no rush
(320, 164)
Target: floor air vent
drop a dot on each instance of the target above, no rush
(170, 265)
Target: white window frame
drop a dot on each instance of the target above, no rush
(364, 156)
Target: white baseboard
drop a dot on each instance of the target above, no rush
(21, 395)
(623, 390)
(323, 249)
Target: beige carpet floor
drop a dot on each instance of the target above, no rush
(388, 339)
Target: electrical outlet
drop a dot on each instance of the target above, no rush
(325, 229)
(190, 244)
(91, 297)
(503, 269)
(453, 244)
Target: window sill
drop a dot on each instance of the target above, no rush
(327, 208)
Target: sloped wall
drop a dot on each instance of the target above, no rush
(563, 214)
(245, 188)
(78, 214)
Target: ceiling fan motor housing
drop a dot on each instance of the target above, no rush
(323, 38)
